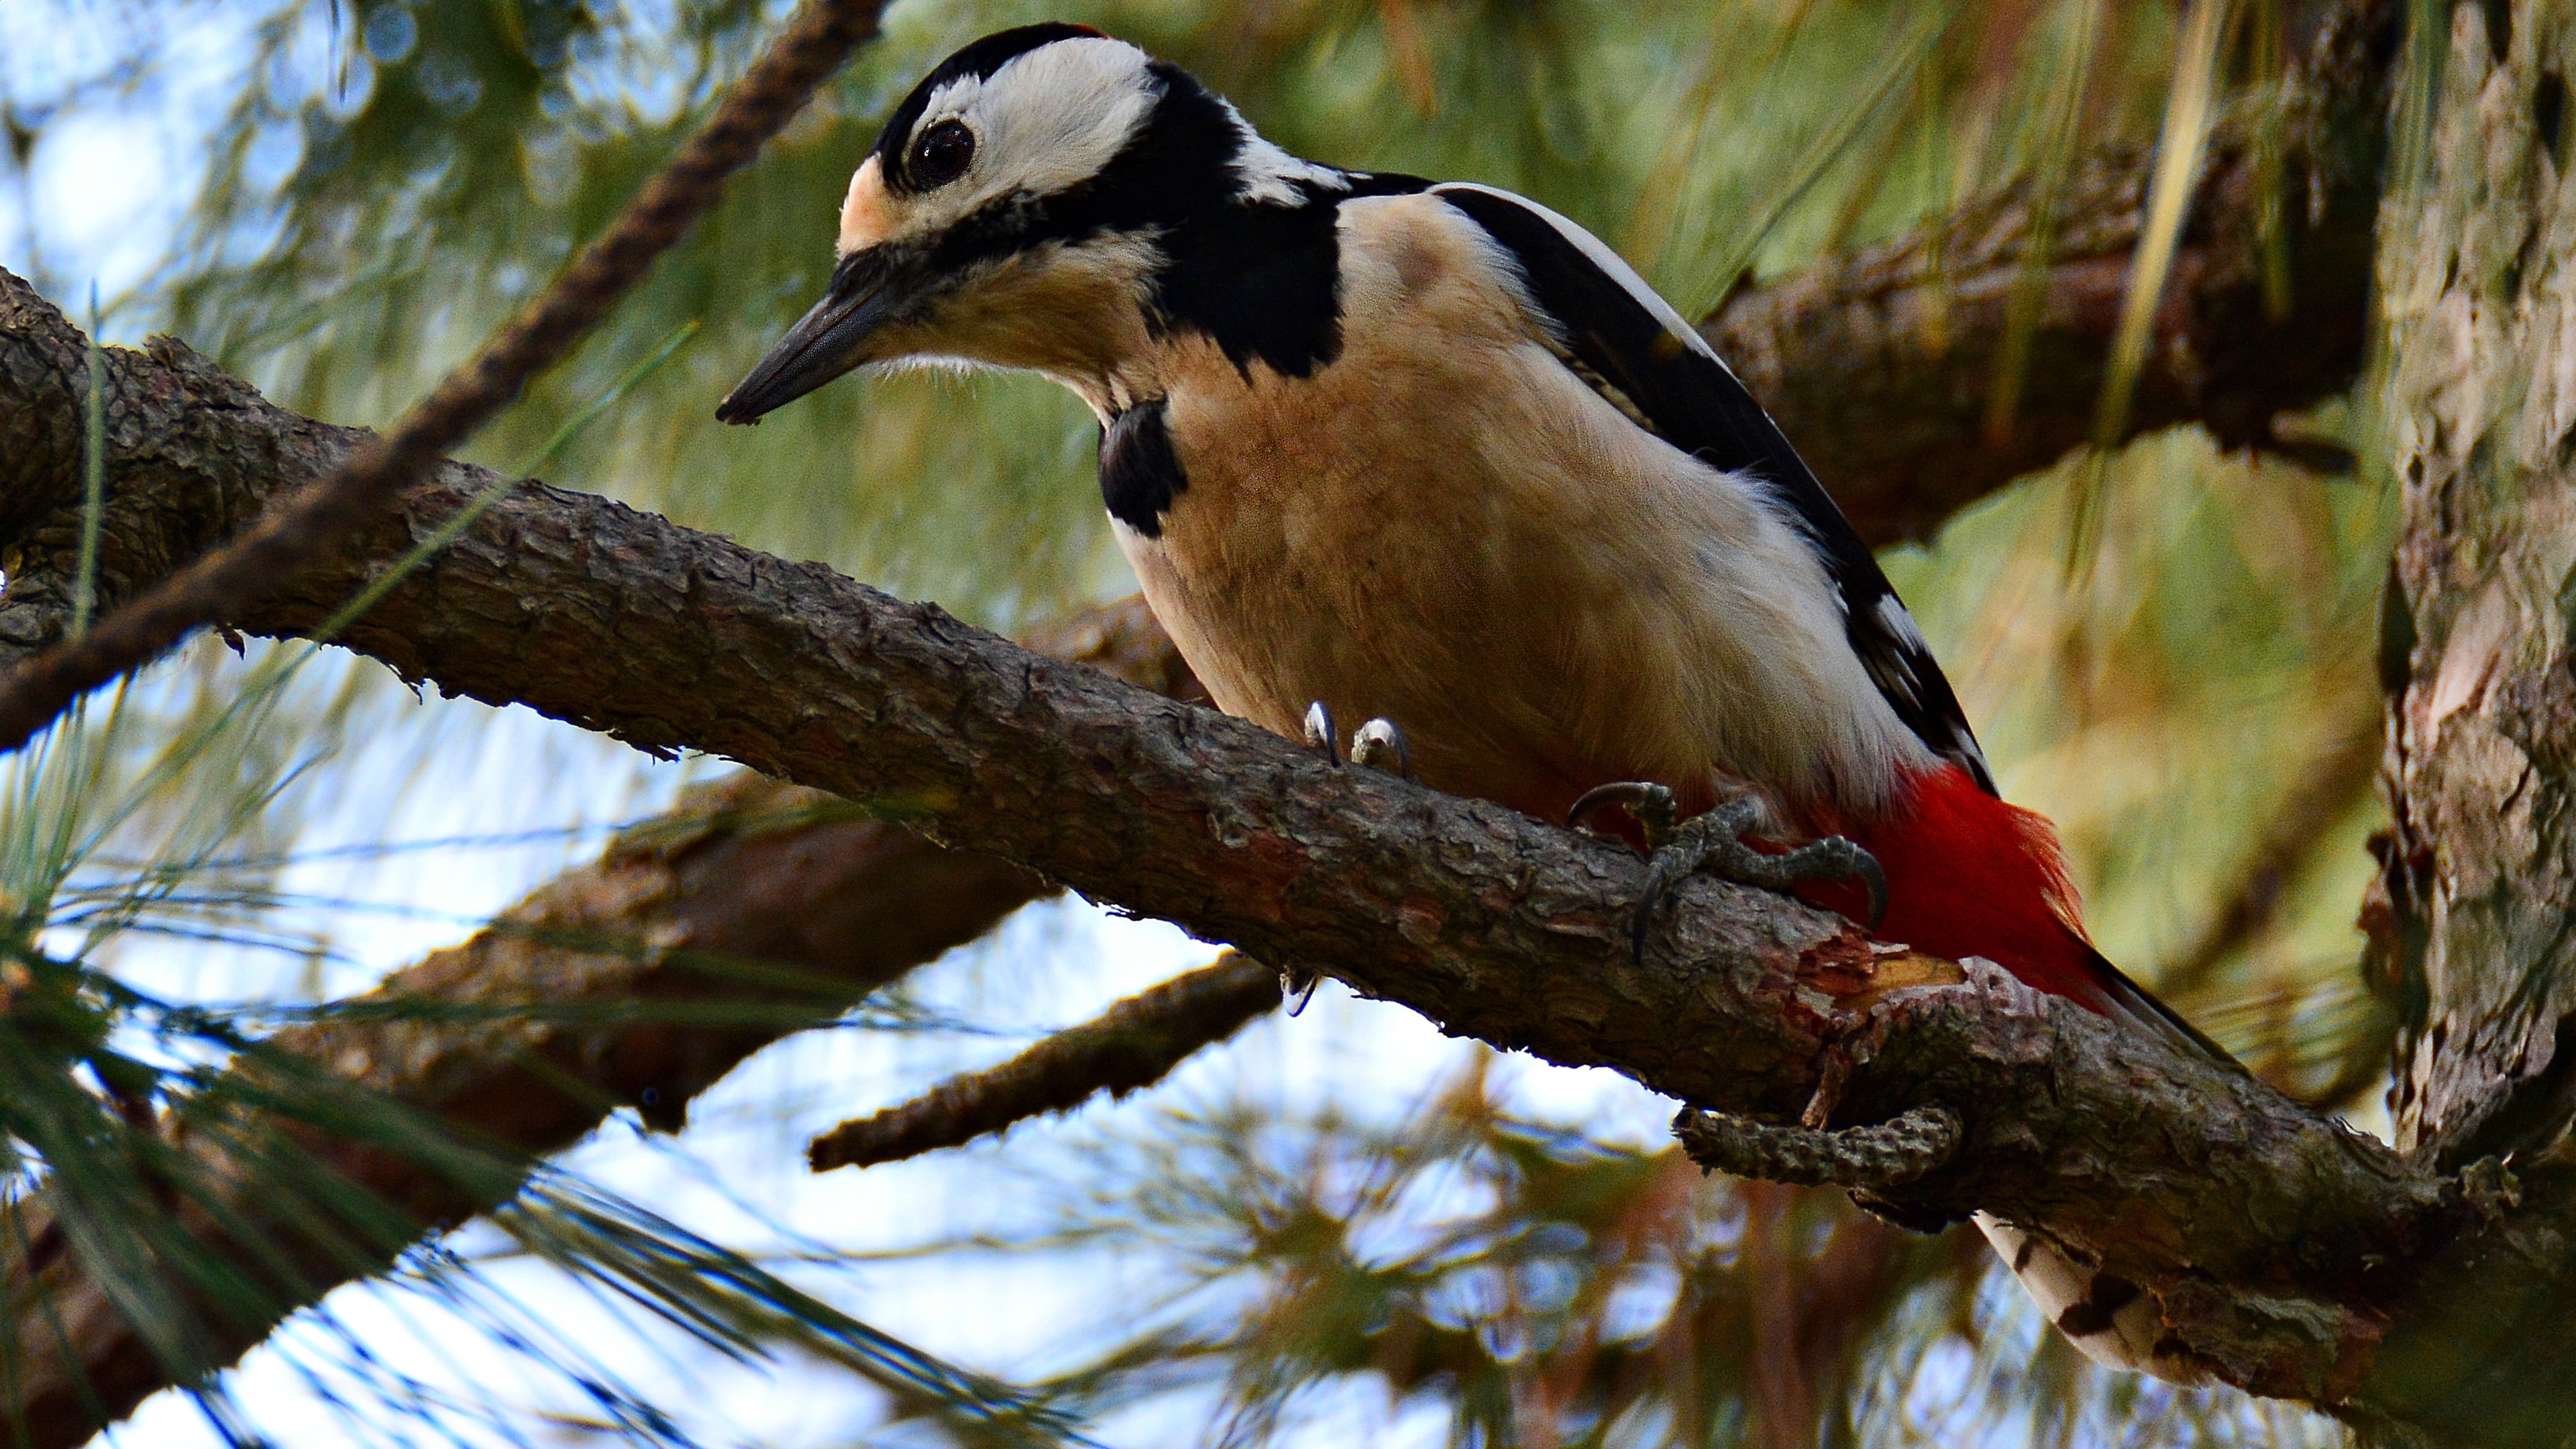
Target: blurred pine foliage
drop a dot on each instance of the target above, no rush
(389, 178)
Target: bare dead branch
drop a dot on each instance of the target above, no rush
(323, 515)
(1134, 1044)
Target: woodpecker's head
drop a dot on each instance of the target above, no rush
(1053, 199)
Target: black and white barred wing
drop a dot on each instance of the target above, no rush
(1631, 346)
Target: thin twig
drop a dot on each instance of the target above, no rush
(1133, 1044)
(301, 528)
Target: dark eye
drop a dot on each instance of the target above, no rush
(940, 156)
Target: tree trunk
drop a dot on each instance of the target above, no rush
(2469, 921)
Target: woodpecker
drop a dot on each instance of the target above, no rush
(1431, 455)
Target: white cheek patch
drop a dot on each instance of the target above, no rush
(1045, 122)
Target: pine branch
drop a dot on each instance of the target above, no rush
(753, 910)
(196, 454)
(2278, 1244)
(1880, 365)
(1132, 1045)
(299, 527)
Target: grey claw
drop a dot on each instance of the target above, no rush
(1380, 745)
(1297, 985)
(1320, 734)
(1657, 879)
(1649, 804)
(1865, 865)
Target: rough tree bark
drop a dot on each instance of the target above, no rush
(2470, 919)
(2294, 1313)
(2282, 1247)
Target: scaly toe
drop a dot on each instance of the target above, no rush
(1833, 858)
(1715, 842)
(1676, 851)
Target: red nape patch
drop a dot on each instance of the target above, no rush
(1968, 875)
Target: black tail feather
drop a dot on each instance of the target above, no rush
(2135, 1003)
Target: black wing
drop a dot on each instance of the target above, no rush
(1631, 344)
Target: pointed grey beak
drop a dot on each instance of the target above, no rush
(824, 343)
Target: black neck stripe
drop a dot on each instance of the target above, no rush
(1140, 475)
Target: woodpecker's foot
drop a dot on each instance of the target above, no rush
(1377, 744)
(1715, 841)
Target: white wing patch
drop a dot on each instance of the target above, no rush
(1898, 672)
(1893, 615)
(1612, 265)
(1268, 174)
